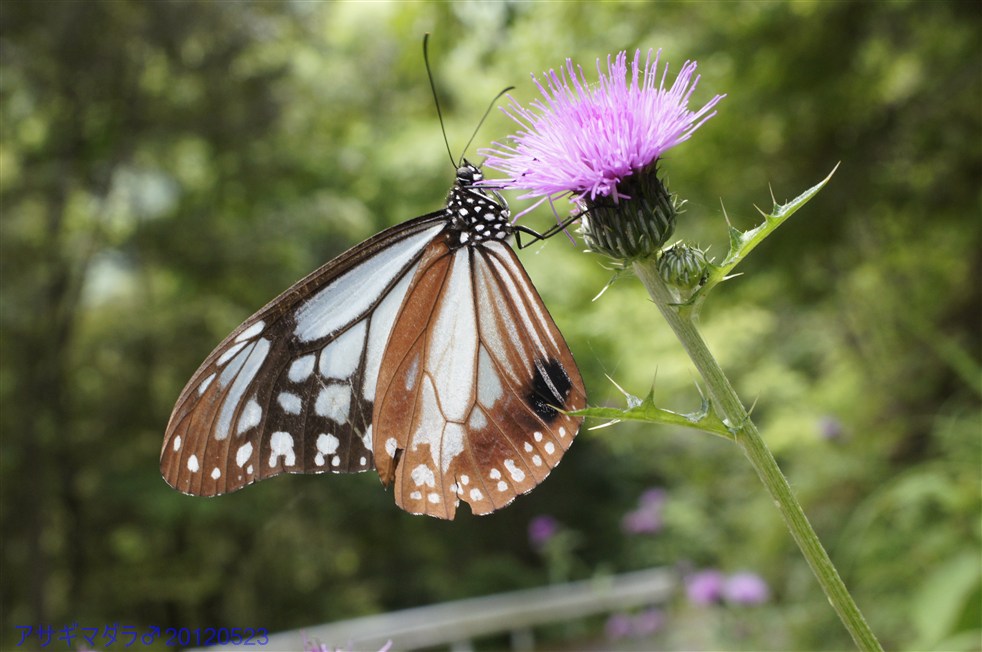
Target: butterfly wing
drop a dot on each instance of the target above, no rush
(471, 385)
(292, 389)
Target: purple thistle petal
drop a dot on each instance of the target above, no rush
(585, 139)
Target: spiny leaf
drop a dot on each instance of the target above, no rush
(645, 410)
(743, 242)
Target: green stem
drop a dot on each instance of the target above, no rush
(731, 409)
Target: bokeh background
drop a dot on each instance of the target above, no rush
(167, 167)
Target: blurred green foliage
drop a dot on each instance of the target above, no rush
(167, 167)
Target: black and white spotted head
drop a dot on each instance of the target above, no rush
(476, 213)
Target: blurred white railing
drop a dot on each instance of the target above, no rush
(456, 624)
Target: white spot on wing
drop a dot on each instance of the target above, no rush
(249, 367)
(339, 359)
(243, 454)
(290, 402)
(536, 460)
(334, 402)
(550, 447)
(476, 495)
(251, 415)
(477, 420)
(423, 474)
(281, 445)
(452, 445)
(516, 473)
(430, 430)
(495, 474)
(352, 294)
(506, 258)
(378, 333)
(301, 368)
(489, 388)
(412, 374)
(204, 384)
(230, 353)
(215, 473)
(230, 370)
(453, 336)
(252, 331)
(416, 495)
(433, 498)
(177, 443)
(390, 446)
(193, 464)
(326, 445)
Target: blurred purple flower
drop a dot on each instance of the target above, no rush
(705, 587)
(746, 588)
(642, 521)
(541, 530)
(653, 496)
(648, 622)
(641, 625)
(585, 139)
(647, 518)
(618, 626)
(830, 428)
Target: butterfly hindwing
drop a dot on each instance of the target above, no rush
(470, 385)
(292, 389)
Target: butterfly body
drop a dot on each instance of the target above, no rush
(424, 353)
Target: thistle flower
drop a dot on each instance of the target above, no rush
(746, 588)
(599, 144)
(541, 530)
(705, 587)
(647, 518)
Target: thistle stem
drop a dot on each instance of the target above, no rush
(731, 409)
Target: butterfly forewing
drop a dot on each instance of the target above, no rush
(292, 389)
(472, 386)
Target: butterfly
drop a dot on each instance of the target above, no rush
(424, 353)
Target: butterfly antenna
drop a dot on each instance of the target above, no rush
(436, 99)
(485, 117)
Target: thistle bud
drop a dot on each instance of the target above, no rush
(683, 267)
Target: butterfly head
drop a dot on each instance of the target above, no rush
(476, 212)
(468, 174)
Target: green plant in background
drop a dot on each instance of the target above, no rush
(600, 145)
